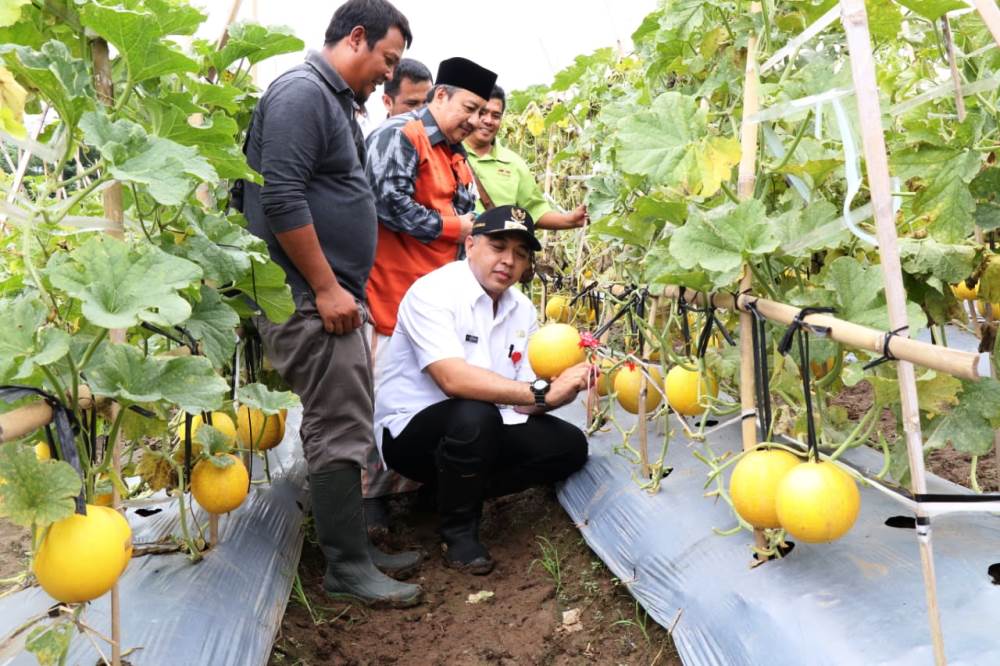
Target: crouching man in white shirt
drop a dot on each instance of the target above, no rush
(459, 405)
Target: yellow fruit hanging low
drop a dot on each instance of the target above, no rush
(817, 502)
(256, 429)
(606, 380)
(557, 309)
(994, 309)
(628, 382)
(822, 369)
(554, 348)
(753, 486)
(81, 557)
(220, 421)
(963, 292)
(220, 489)
(43, 451)
(687, 390)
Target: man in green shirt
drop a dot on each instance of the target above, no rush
(503, 178)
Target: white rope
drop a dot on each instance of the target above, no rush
(793, 45)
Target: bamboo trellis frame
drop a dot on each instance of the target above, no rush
(746, 181)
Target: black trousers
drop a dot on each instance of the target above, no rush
(508, 458)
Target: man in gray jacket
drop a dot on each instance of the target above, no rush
(316, 212)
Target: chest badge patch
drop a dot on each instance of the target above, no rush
(469, 337)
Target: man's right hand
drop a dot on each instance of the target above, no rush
(567, 385)
(338, 310)
(466, 226)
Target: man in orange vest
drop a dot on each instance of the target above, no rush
(425, 199)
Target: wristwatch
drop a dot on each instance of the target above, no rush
(540, 387)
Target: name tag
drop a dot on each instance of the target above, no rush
(469, 337)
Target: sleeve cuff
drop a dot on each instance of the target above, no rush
(451, 226)
(288, 220)
(539, 210)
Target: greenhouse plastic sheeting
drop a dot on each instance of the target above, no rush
(224, 610)
(859, 600)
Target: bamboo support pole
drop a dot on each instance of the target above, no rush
(991, 16)
(548, 192)
(113, 211)
(19, 422)
(234, 11)
(956, 79)
(989, 317)
(643, 392)
(855, 20)
(747, 180)
(950, 361)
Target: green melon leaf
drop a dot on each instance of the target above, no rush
(35, 492)
(60, 78)
(266, 285)
(720, 240)
(139, 36)
(266, 400)
(213, 323)
(50, 643)
(255, 43)
(123, 373)
(670, 143)
(121, 286)
(168, 169)
(970, 425)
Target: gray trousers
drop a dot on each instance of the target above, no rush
(332, 376)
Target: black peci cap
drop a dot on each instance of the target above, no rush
(507, 219)
(463, 73)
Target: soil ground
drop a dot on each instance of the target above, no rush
(543, 569)
(945, 462)
(14, 545)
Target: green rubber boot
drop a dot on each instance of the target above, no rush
(343, 538)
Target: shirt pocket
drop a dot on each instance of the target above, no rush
(516, 360)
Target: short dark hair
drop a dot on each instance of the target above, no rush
(375, 16)
(498, 93)
(408, 68)
(449, 91)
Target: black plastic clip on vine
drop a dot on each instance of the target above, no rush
(803, 328)
(682, 310)
(762, 379)
(627, 307)
(583, 292)
(711, 322)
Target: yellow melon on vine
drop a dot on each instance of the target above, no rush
(554, 348)
(628, 383)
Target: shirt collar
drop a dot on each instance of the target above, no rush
(434, 133)
(329, 74)
(496, 153)
(472, 291)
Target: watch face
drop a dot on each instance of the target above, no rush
(540, 385)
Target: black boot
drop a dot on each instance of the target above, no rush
(398, 565)
(376, 517)
(460, 502)
(340, 527)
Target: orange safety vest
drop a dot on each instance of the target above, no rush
(400, 259)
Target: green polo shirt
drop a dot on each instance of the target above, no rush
(506, 178)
